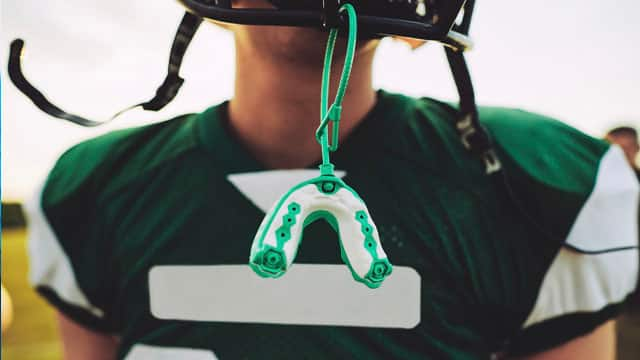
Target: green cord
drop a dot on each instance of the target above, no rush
(334, 112)
(321, 133)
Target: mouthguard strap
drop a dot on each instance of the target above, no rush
(333, 113)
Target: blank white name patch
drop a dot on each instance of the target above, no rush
(305, 295)
(150, 352)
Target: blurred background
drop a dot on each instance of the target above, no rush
(576, 60)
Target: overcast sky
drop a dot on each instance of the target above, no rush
(575, 60)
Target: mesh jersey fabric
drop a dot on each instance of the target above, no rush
(118, 205)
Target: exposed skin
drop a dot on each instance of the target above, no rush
(274, 112)
(629, 145)
(276, 105)
(599, 344)
(80, 343)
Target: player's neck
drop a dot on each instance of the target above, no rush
(276, 109)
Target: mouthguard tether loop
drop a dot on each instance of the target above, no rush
(325, 197)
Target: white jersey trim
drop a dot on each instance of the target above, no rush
(49, 266)
(149, 352)
(583, 282)
(609, 217)
(264, 188)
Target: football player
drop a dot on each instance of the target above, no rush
(511, 234)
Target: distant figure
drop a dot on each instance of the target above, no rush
(627, 138)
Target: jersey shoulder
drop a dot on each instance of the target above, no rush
(68, 239)
(565, 207)
(111, 160)
(581, 194)
(548, 150)
(545, 149)
(558, 171)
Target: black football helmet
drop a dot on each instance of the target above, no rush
(443, 21)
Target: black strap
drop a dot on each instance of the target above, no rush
(468, 124)
(172, 83)
(18, 79)
(165, 93)
(472, 134)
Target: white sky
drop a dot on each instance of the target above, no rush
(573, 59)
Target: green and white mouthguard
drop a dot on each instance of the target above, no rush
(325, 197)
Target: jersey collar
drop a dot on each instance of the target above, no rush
(218, 139)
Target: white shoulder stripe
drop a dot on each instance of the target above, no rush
(584, 283)
(49, 266)
(578, 282)
(609, 217)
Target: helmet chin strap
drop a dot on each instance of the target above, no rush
(325, 197)
(164, 94)
(473, 135)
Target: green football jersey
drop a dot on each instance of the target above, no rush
(145, 233)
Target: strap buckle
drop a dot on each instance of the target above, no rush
(491, 161)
